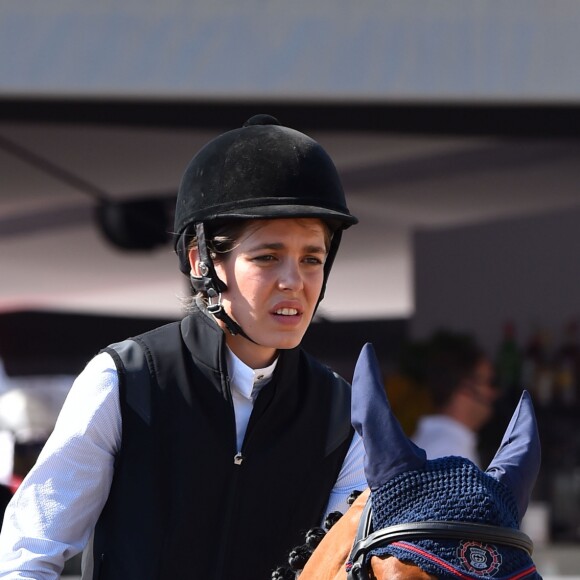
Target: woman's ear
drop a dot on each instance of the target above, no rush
(194, 261)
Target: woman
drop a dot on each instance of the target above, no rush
(203, 448)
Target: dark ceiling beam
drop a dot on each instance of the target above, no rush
(541, 120)
(499, 156)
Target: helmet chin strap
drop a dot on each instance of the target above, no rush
(210, 284)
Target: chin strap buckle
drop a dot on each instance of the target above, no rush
(214, 308)
(210, 285)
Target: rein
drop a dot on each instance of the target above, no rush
(367, 540)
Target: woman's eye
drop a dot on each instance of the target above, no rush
(264, 258)
(313, 260)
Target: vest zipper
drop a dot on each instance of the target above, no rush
(222, 563)
(230, 501)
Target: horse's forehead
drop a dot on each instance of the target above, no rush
(393, 569)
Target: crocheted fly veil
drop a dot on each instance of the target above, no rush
(430, 513)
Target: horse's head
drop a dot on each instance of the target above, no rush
(445, 517)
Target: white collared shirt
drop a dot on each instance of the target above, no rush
(55, 509)
(246, 385)
(441, 436)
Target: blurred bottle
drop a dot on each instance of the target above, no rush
(567, 366)
(508, 364)
(531, 361)
(545, 373)
(537, 370)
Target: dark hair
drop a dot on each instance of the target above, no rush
(450, 358)
(222, 237)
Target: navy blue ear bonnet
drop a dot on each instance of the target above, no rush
(446, 515)
(450, 489)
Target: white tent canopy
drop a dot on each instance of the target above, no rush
(452, 50)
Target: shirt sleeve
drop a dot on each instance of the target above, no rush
(351, 477)
(52, 514)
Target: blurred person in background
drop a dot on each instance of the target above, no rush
(459, 377)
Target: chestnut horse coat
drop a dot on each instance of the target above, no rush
(329, 559)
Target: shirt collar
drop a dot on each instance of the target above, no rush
(245, 380)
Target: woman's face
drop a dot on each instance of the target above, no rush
(274, 277)
(480, 394)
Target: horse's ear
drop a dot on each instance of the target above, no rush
(517, 461)
(388, 450)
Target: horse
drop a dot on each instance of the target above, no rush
(440, 519)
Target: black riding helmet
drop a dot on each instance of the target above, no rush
(259, 171)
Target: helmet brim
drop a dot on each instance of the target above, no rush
(281, 211)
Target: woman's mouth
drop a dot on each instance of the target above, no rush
(286, 311)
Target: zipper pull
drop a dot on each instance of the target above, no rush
(238, 458)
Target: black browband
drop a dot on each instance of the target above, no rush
(367, 540)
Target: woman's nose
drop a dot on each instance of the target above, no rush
(290, 276)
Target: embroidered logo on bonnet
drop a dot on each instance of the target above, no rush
(480, 559)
